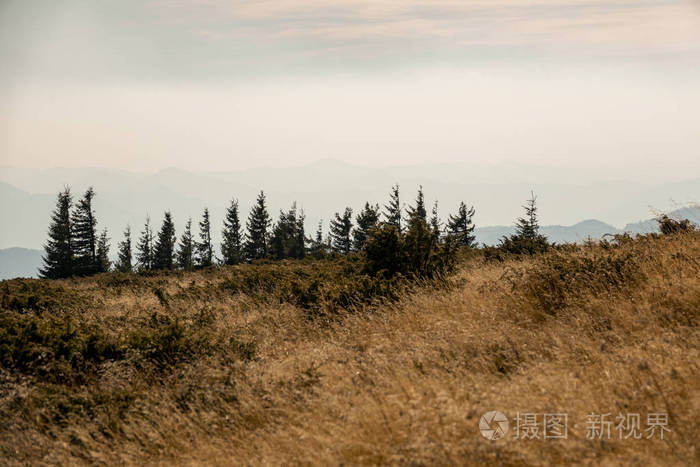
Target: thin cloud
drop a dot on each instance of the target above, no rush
(593, 26)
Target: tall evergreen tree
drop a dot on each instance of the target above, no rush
(282, 236)
(103, 262)
(526, 239)
(341, 227)
(392, 213)
(435, 224)
(299, 248)
(461, 226)
(419, 209)
(528, 227)
(287, 239)
(144, 247)
(257, 226)
(185, 250)
(316, 245)
(232, 243)
(366, 220)
(164, 249)
(58, 258)
(205, 250)
(84, 226)
(124, 253)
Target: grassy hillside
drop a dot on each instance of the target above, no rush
(312, 363)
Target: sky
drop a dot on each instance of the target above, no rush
(210, 85)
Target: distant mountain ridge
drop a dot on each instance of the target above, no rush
(19, 262)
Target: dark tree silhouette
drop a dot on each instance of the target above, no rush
(435, 224)
(58, 258)
(392, 213)
(257, 226)
(461, 226)
(366, 220)
(124, 253)
(103, 262)
(144, 247)
(205, 250)
(84, 233)
(528, 226)
(185, 249)
(164, 249)
(232, 243)
(419, 209)
(341, 227)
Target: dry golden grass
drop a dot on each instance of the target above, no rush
(596, 329)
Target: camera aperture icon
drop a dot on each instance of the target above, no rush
(493, 425)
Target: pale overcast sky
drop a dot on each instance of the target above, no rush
(209, 85)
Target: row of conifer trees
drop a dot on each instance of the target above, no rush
(75, 247)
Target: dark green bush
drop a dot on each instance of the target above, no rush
(670, 226)
(419, 253)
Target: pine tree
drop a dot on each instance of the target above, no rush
(419, 209)
(144, 248)
(316, 245)
(84, 224)
(461, 226)
(526, 239)
(299, 246)
(205, 250)
(392, 212)
(124, 253)
(58, 260)
(283, 234)
(341, 227)
(103, 262)
(366, 220)
(164, 249)
(435, 224)
(185, 250)
(257, 226)
(528, 226)
(231, 245)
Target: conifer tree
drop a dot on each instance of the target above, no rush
(84, 225)
(257, 226)
(317, 247)
(124, 254)
(205, 250)
(144, 248)
(341, 227)
(419, 209)
(185, 250)
(58, 258)
(231, 245)
(282, 237)
(435, 224)
(366, 220)
(299, 249)
(528, 227)
(392, 212)
(164, 249)
(526, 239)
(103, 262)
(461, 226)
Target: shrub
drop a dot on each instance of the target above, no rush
(418, 253)
(670, 226)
